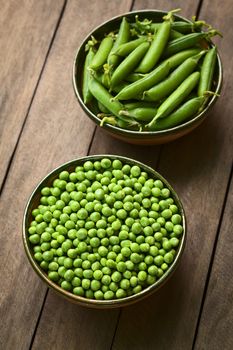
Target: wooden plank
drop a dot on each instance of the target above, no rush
(215, 328)
(26, 28)
(67, 326)
(56, 130)
(198, 166)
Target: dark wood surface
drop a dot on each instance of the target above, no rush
(42, 126)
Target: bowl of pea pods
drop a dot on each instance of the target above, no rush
(104, 231)
(148, 77)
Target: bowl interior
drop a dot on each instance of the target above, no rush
(91, 110)
(33, 202)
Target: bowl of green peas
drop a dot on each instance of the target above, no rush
(148, 77)
(104, 231)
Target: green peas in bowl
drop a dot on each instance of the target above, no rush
(104, 231)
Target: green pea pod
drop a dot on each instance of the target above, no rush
(157, 46)
(181, 115)
(86, 76)
(175, 99)
(175, 35)
(167, 86)
(106, 99)
(186, 42)
(125, 49)
(131, 78)
(128, 64)
(102, 53)
(178, 58)
(102, 108)
(139, 104)
(207, 71)
(137, 88)
(128, 125)
(119, 87)
(181, 26)
(122, 37)
(142, 114)
(188, 27)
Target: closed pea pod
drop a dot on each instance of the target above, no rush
(178, 58)
(86, 76)
(126, 48)
(168, 85)
(122, 37)
(207, 71)
(128, 64)
(102, 53)
(175, 99)
(182, 27)
(187, 27)
(106, 99)
(187, 41)
(102, 108)
(131, 78)
(182, 114)
(143, 114)
(157, 46)
(136, 89)
(139, 104)
(174, 35)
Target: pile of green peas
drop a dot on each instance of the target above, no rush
(149, 76)
(106, 230)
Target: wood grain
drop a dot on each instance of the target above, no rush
(215, 328)
(198, 166)
(26, 29)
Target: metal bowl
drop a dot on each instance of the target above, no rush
(33, 202)
(136, 137)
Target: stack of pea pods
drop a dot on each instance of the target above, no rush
(150, 76)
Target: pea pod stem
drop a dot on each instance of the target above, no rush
(91, 43)
(137, 88)
(167, 86)
(108, 120)
(175, 99)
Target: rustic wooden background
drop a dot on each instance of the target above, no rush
(42, 125)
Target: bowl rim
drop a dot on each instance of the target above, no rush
(93, 302)
(138, 134)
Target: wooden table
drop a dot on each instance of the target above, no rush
(42, 125)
